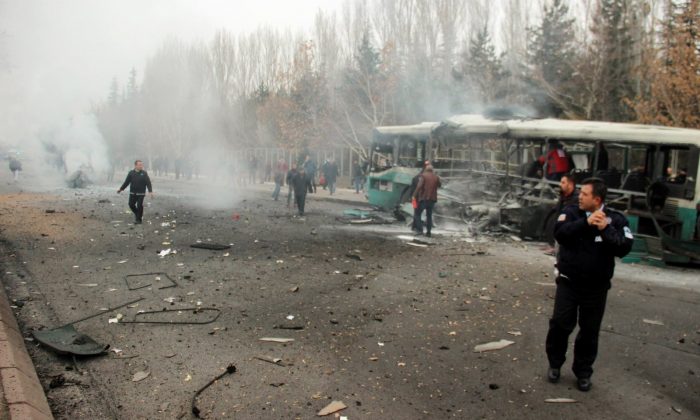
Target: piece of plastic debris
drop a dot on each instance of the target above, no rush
(494, 345)
(164, 252)
(560, 400)
(290, 317)
(333, 407)
(116, 350)
(140, 376)
(280, 261)
(122, 261)
(294, 289)
(170, 299)
(380, 344)
(515, 333)
(276, 340)
(452, 333)
(188, 378)
(226, 254)
(87, 284)
(113, 321)
(652, 322)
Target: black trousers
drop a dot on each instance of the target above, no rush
(136, 205)
(301, 200)
(428, 206)
(572, 303)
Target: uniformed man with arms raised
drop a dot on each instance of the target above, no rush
(590, 237)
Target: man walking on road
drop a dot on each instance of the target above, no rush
(301, 183)
(590, 236)
(139, 181)
(426, 195)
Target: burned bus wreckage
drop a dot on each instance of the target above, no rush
(496, 177)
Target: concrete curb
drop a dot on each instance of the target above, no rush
(19, 384)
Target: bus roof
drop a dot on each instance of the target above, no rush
(416, 130)
(550, 128)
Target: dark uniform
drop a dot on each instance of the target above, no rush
(301, 182)
(139, 181)
(586, 263)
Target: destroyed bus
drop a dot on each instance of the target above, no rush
(492, 169)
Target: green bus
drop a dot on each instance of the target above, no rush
(651, 172)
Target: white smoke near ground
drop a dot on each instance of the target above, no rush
(83, 145)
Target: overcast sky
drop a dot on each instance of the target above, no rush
(62, 54)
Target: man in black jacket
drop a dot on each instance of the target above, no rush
(301, 183)
(590, 237)
(139, 181)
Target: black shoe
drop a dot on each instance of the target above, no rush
(553, 375)
(428, 235)
(137, 222)
(418, 233)
(584, 384)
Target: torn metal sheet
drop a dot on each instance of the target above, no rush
(210, 246)
(495, 345)
(131, 284)
(67, 340)
(174, 313)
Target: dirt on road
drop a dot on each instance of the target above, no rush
(386, 327)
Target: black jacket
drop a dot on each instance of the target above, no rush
(586, 254)
(301, 183)
(139, 182)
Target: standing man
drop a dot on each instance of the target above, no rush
(357, 175)
(557, 162)
(310, 169)
(139, 181)
(568, 196)
(331, 174)
(280, 172)
(426, 195)
(301, 183)
(590, 236)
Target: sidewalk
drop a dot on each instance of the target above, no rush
(21, 394)
(342, 195)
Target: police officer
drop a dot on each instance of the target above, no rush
(590, 237)
(139, 181)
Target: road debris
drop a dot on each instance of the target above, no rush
(331, 408)
(652, 322)
(274, 360)
(276, 340)
(165, 252)
(230, 370)
(131, 284)
(560, 400)
(67, 340)
(494, 345)
(176, 312)
(515, 333)
(140, 376)
(210, 246)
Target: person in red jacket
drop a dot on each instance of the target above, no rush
(557, 162)
(426, 195)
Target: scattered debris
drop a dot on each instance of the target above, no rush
(560, 400)
(230, 370)
(515, 333)
(274, 360)
(276, 340)
(177, 312)
(677, 410)
(67, 340)
(652, 322)
(493, 387)
(210, 246)
(494, 345)
(87, 284)
(164, 252)
(140, 376)
(356, 257)
(333, 407)
(288, 327)
(156, 278)
(294, 289)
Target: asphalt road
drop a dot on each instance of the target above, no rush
(387, 328)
